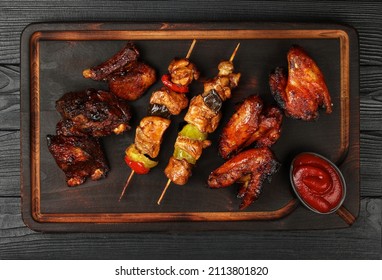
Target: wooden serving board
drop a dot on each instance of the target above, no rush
(52, 59)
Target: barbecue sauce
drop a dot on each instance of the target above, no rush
(317, 182)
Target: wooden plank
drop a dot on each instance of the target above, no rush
(364, 16)
(371, 98)
(361, 241)
(9, 163)
(10, 97)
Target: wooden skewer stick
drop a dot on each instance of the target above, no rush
(164, 191)
(234, 53)
(132, 171)
(126, 184)
(191, 49)
(169, 180)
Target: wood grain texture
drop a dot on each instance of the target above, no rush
(361, 241)
(10, 97)
(364, 16)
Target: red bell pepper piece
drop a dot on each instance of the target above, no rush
(137, 166)
(166, 80)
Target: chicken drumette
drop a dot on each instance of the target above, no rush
(303, 90)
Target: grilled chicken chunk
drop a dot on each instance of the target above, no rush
(128, 78)
(251, 168)
(178, 170)
(224, 81)
(205, 119)
(94, 113)
(78, 157)
(304, 90)
(174, 102)
(148, 136)
(182, 71)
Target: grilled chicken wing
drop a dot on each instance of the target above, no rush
(250, 167)
(128, 78)
(269, 129)
(241, 126)
(304, 90)
(250, 123)
(78, 157)
(92, 112)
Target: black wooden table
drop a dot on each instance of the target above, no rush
(361, 241)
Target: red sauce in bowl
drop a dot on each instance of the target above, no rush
(317, 182)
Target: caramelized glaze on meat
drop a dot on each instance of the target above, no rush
(250, 167)
(128, 78)
(304, 90)
(92, 112)
(78, 157)
(241, 126)
(250, 123)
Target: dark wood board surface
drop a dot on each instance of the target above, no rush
(361, 241)
(61, 54)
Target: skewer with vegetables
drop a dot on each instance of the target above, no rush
(203, 116)
(169, 100)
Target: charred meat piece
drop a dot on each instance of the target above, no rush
(123, 59)
(304, 90)
(149, 135)
(178, 170)
(250, 123)
(128, 78)
(78, 157)
(251, 168)
(131, 83)
(241, 126)
(94, 113)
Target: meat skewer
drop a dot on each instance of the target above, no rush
(203, 117)
(169, 100)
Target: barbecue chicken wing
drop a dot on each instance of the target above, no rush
(94, 113)
(78, 157)
(127, 77)
(304, 90)
(251, 168)
(250, 123)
